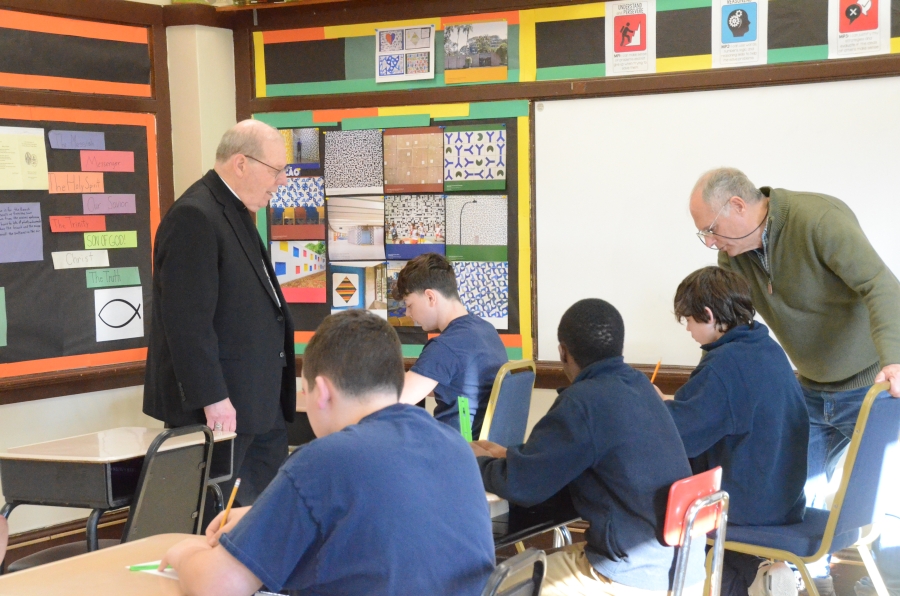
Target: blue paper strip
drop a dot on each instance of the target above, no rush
(76, 139)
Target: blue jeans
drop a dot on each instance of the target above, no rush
(832, 418)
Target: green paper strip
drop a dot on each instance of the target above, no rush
(579, 71)
(801, 54)
(514, 353)
(290, 119)
(476, 253)
(299, 349)
(457, 185)
(262, 226)
(411, 350)
(410, 121)
(110, 278)
(465, 423)
(2, 317)
(492, 109)
(664, 5)
(101, 240)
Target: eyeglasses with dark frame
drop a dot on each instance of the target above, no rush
(278, 172)
(708, 232)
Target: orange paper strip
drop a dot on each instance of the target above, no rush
(75, 182)
(77, 223)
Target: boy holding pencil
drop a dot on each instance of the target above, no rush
(386, 500)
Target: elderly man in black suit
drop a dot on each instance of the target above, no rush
(221, 337)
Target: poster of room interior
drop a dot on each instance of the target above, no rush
(361, 202)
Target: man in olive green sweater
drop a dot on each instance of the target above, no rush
(830, 300)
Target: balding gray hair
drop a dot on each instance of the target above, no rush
(247, 137)
(719, 185)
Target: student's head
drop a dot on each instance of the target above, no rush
(353, 363)
(590, 331)
(427, 285)
(251, 159)
(712, 301)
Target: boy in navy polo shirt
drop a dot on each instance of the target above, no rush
(385, 501)
(464, 359)
(742, 409)
(610, 440)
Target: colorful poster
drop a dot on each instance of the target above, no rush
(355, 228)
(300, 270)
(404, 54)
(23, 159)
(477, 227)
(119, 313)
(740, 32)
(630, 37)
(21, 237)
(301, 147)
(476, 52)
(413, 225)
(354, 162)
(858, 28)
(484, 290)
(360, 285)
(298, 210)
(413, 160)
(396, 308)
(475, 157)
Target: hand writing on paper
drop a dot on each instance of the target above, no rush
(212, 530)
(222, 413)
(487, 449)
(891, 374)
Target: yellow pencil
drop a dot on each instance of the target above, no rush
(237, 483)
(655, 370)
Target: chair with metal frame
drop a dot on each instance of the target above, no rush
(506, 417)
(858, 506)
(169, 497)
(534, 558)
(696, 507)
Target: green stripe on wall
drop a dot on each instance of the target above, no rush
(290, 119)
(411, 350)
(476, 253)
(664, 5)
(514, 353)
(386, 122)
(262, 226)
(493, 109)
(359, 57)
(463, 185)
(299, 349)
(579, 71)
(369, 85)
(801, 54)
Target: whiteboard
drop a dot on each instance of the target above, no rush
(614, 175)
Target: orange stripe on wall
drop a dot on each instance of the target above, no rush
(338, 115)
(22, 81)
(302, 337)
(511, 341)
(60, 26)
(32, 367)
(511, 17)
(289, 35)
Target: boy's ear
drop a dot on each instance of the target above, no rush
(326, 392)
(563, 354)
(430, 296)
(712, 318)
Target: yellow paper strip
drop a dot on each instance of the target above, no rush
(523, 131)
(476, 75)
(367, 29)
(527, 46)
(449, 110)
(568, 13)
(895, 45)
(682, 63)
(259, 64)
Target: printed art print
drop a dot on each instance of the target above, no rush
(484, 290)
(740, 32)
(475, 52)
(404, 54)
(630, 37)
(858, 28)
(475, 157)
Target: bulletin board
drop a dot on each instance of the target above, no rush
(76, 269)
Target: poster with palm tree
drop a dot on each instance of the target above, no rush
(475, 52)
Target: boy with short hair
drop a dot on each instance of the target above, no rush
(742, 409)
(464, 359)
(610, 440)
(385, 501)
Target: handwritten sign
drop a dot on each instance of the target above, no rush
(107, 161)
(110, 240)
(80, 259)
(76, 139)
(108, 278)
(21, 239)
(77, 223)
(96, 203)
(75, 182)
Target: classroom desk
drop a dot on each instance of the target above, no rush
(520, 523)
(97, 471)
(101, 572)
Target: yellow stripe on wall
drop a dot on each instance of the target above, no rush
(450, 110)
(527, 47)
(524, 132)
(895, 45)
(366, 29)
(568, 13)
(259, 63)
(682, 63)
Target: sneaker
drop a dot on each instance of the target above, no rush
(825, 586)
(864, 587)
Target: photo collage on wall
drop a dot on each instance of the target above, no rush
(359, 204)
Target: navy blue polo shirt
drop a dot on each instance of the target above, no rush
(391, 505)
(464, 360)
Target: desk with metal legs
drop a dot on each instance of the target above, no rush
(521, 523)
(97, 471)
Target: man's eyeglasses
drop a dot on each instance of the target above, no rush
(708, 232)
(278, 171)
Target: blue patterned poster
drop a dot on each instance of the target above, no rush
(404, 54)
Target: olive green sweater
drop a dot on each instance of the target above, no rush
(834, 305)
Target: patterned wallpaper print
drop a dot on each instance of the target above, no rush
(474, 157)
(354, 162)
(412, 161)
(421, 211)
(302, 149)
(484, 219)
(484, 290)
(301, 192)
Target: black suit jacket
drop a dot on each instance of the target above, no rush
(216, 328)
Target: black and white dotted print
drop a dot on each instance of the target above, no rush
(354, 162)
